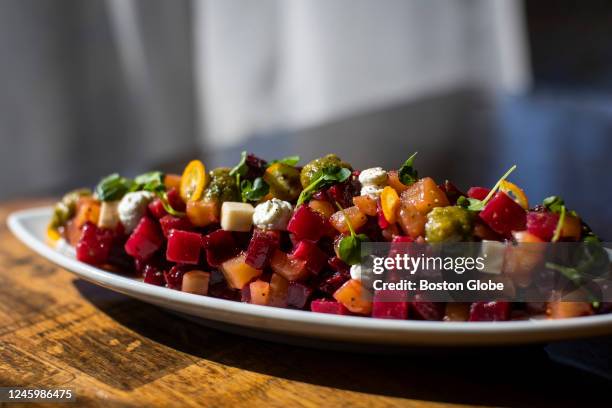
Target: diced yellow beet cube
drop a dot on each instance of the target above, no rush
(238, 273)
(236, 216)
(202, 213)
(355, 217)
(425, 195)
(109, 216)
(366, 204)
(260, 292)
(322, 207)
(196, 282)
(279, 287)
(354, 297)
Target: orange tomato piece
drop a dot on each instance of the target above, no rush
(193, 181)
(203, 213)
(354, 297)
(366, 204)
(322, 207)
(260, 292)
(395, 182)
(390, 202)
(339, 219)
(425, 195)
(172, 181)
(519, 195)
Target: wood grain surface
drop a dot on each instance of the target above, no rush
(59, 331)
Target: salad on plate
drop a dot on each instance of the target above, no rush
(279, 234)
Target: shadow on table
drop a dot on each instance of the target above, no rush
(484, 376)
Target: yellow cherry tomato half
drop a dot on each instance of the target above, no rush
(193, 181)
(516, 191)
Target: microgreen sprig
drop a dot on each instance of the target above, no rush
(349, 248)
(322, 179)
(476, 205)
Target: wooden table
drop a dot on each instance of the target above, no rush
(57, 330)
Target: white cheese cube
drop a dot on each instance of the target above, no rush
(493, 253)
(236, 216)
(109, 214)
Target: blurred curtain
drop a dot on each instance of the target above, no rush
(90, 87)
(293, 63)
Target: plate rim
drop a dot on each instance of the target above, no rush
(562, 328)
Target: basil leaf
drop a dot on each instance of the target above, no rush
(113, 187)
(241, 168)
(289, 160)
(407, 173)
(254, 191)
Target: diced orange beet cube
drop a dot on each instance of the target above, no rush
(322, 207)
(354, 297)
(260, 292)
(238, 273)
(72, 233)
(425, 195)
(195, 282)
(203, 213)
(572, 227)
(412, 221)
(278, 291)
(289, 268)
(172, 181)
(561, 310)
(366, 204)
(390, 202)
(88, 210)
(355, 217)
(395, 182)
(521, 260)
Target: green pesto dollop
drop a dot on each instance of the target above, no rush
(65, 209)
(322, 163)
(284, 181)
(449, 224)
(222, 187)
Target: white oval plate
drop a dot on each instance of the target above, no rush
(29, 226)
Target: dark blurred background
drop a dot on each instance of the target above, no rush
(95, 86)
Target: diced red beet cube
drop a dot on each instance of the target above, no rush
(503, 215)
(451, 191)
(328, 306)
(309, 251)
(428, 310)
(184, 247)
(220, 246)
(306, 224)
(245, 294)
(542, 224)
(170, 222)
(341, 193)
(331, 284)
(298, 295)
(338, 265)
(479, 193)
(390, 305)
(261, 248)
(95, 244)
(145, 239)
(174, 277)
(489, 311)
(175, 200)
(153, 275)
(156, 208)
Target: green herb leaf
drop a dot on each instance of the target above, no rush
(350, 248)
(324, 178)
(407, 173)
(476, 205)
(152, 181)
(553, 204)
(241, 168)
(163, 196)
(559, 226)
(113, 187)
(254, 191)
(289, 160)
